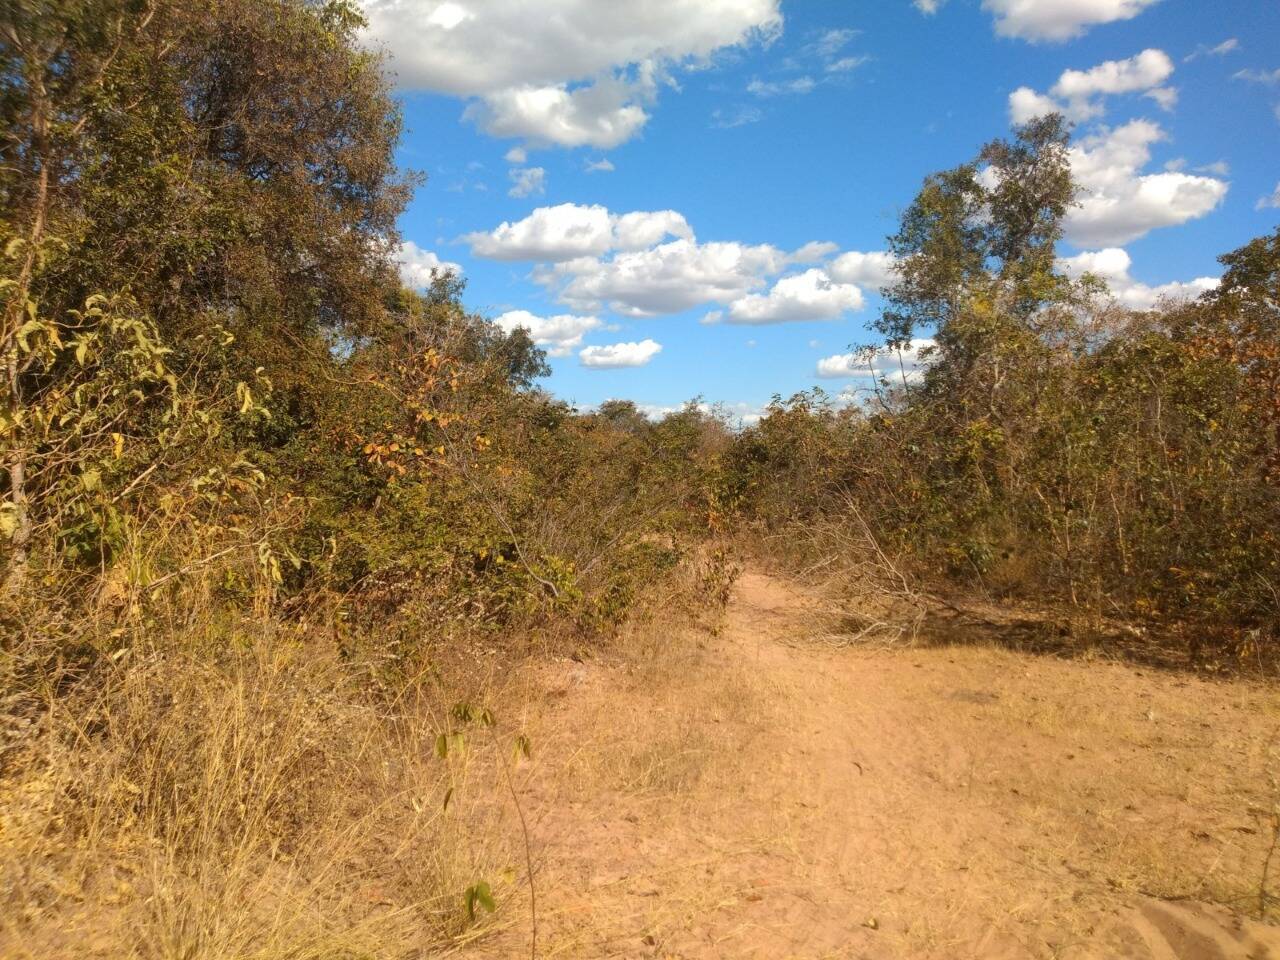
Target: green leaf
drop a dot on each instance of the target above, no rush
(481, 894)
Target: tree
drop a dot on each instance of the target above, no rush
(226, 167)
(975, 256)
(1240, 321)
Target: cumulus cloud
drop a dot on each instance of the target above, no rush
(1272, 201)
(559, 335)
(614, 355)
(570, 230)
(1078, 93)
(565, 72)
(814, 251)
(1118, 202)
(634, 231)
(1026, 105)
(928, 7)
(908, 362)
(599, 166)
(867, 269)
(1058, 20)
(811, 295)
(1112, 265)
(604, 114)
(667, 278)
(649, 263)
(418, 267)
(526, 181)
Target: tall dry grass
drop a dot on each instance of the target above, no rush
(262, 801)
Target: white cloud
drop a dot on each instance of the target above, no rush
(418, 266)
(1272, 201)
(1078, 93)
(516, 155)
(735, 117)
(909, 362)
(1026, 105)
(605, 114)
(603, 165)
(845, 64)
(1222, 49)
(498, 45)
(762, 88)
(1267, 77)
(813, 251)
(1058, 20)
(570, 231)
(648, 263)
(527, 181)
(667, 278)
(559, 335)
(811, 295)
(928, 7)
(566, 72)
(1148, 69)
(1112, 265)
(549, 233)
(866, 269)
(635, 231)
(615, 355)
(833, 41)
(1118, 203)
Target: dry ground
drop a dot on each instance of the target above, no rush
(752, 792)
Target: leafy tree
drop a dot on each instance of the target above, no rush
(227, 168)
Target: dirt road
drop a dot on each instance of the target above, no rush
(757, 794)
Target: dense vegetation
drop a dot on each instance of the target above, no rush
(262, 504)
(1055, 446)
(258, 496)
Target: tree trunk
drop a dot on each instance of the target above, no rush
(15, 312)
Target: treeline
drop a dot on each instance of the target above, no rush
(215, 375)
(1054, 445)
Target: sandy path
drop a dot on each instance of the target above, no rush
(761, 795)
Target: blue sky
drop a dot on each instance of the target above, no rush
(696, 193)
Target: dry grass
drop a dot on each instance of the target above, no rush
(212, 787)
(260, 804)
